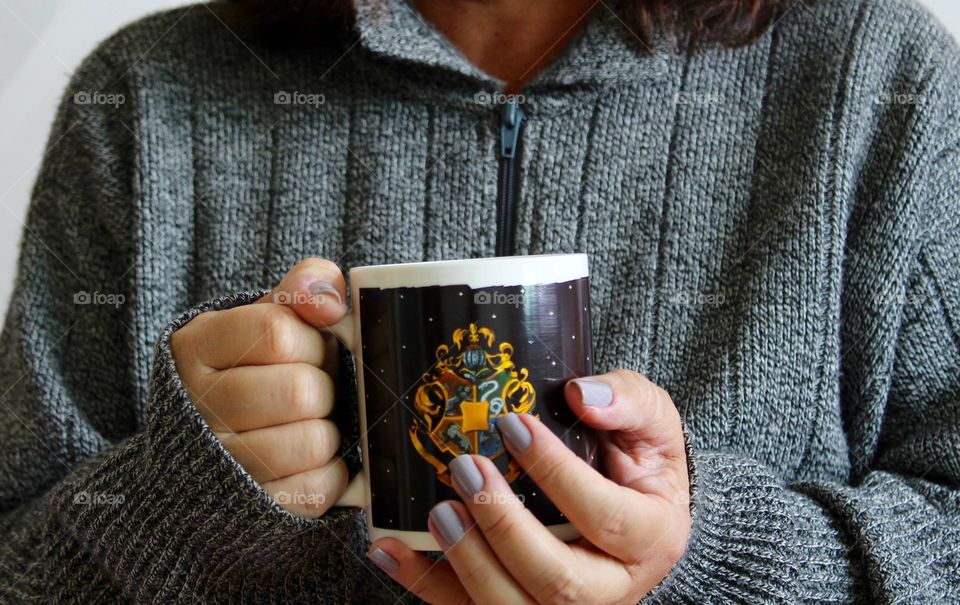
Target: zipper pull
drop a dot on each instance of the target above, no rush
(510, 121)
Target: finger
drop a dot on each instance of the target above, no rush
(643, 448)
(311, 493)
(544, 566)
(260, 334)
(254, 397)
(432, 581)
(628, 403)
(617, 519)
(480, 571)
(281, 451)
(315, 289)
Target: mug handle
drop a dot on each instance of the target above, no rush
(356, 494)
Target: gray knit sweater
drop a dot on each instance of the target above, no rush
(773, 233)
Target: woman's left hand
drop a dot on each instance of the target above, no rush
(634, 521)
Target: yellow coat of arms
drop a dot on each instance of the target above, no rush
(473, 384)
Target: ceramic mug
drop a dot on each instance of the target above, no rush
(442, 351)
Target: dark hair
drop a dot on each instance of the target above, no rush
(727, 22)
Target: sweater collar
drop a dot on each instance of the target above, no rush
(602, 52)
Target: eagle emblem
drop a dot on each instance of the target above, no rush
(473, 384)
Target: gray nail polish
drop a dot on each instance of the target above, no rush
(383, 560)
(322, 290)
(448, 523)
(594, 393)
(467, 475)
(515, 432)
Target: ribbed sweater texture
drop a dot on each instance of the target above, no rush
(773, 234)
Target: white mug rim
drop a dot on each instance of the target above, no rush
(474, 272)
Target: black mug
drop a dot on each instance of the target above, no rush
(445, 349)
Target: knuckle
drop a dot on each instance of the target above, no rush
(421, 588)
(654, 393)
(634, 382)
(325, 392)
(321, 440)
(502, 527)
(177, 343)
(303, 390)
(630, 379)
(322, 487)
(183, 359)
(612, 524)
(476, 574)
(654, 399)
(662, 408)
(280, 332)
(428, 591)
(228, 440)
(653, 402)
(564, 588)
(550, 469)
(183, 342)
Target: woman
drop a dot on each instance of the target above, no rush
(768, 194)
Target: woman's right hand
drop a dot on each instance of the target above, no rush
(262, 376)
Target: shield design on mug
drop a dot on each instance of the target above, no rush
(473, 384)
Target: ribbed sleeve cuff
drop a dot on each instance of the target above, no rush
(741, 546)
(174, 518)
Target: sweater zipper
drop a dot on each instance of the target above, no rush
(511, 126)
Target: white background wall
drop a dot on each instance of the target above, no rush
(41, 42)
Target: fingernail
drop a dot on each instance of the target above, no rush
(322, 289)
(383, 560)
(594, 393)
(448, 522)
(515, 432)
(467, 475)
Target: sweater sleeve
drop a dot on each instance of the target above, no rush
(112, 489)
(890, 533)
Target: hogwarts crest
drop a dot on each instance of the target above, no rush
(473, 384)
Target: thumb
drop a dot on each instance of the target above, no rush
(315, 289)
(626, 402)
